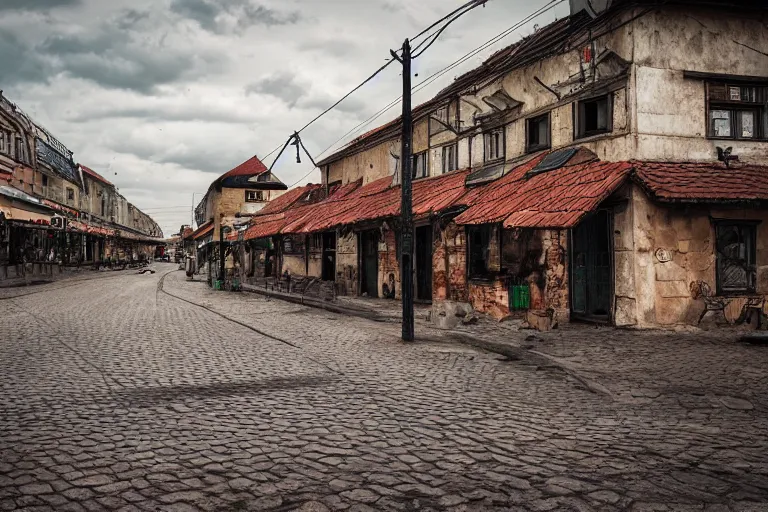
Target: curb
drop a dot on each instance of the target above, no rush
(319, 304)
(513, 353)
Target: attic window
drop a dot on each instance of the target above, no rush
(263, 177)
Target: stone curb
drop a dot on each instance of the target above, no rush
(512, 352)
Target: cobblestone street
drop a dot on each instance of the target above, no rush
(146, 392)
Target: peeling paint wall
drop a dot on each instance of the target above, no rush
(389, 266)
(372, 164)
(651, 291)
(347, 264)
(449, 264)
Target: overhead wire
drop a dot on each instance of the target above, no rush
(429, 80)
(453, 16)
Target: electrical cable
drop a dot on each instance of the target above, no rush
(429, 80)
(472, 4)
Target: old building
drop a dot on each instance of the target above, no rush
(242, 191)
(610, 167)
(54, 210)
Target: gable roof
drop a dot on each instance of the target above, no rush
(94, 175)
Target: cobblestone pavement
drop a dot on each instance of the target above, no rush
(116, 395)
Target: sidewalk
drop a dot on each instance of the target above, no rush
(710, 369)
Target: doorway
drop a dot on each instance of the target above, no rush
(424, 263)
(592, 268)
(329, 257)
(369, 258)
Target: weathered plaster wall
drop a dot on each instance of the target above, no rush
(295, 264)
(449, 268)
(671, 110)
(377, 162)
(389, 267)
(346, 264)
(421, 135)
(687, 235)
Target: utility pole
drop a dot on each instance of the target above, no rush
(406, 197)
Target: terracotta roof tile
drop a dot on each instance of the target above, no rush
(96, 176)
(554, 199)
(201, 232)
(251, 167)
(690, 182)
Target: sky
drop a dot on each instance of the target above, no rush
(163, 96)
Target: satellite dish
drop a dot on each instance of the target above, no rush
(593, 7)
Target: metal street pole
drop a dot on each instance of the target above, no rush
(406, 198)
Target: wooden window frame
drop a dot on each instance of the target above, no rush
(258, 193)
(751, 256)
(579, 116)
(532, 148)
(70, 194)
(454, 160)
(479, 231)
(500, 146)
(416, 156)
(759, 107)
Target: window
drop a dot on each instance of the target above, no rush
(70, 194)
(737, 112)
(420, 168)
(493, 143)
(20, 150)
(450, 154)
(45, 180)
(593, 116)
(4, 138)
(484, 254)
(254, 196)
(103, 205)
(537, 133)
(736, 270)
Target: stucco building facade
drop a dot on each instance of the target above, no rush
(608, 168)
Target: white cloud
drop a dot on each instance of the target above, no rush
(161, 97)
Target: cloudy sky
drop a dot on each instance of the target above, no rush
(162, 96)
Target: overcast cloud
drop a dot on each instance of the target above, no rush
(162, 96)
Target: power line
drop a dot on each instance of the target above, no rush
(429, 80)
(454, 15)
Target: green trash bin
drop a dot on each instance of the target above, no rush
(521, 297)
(218, 285)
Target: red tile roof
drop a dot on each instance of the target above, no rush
(251, 167)
(693, 182)
(203, 231)
(288, 199)
(94, 175)
(559, 198)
